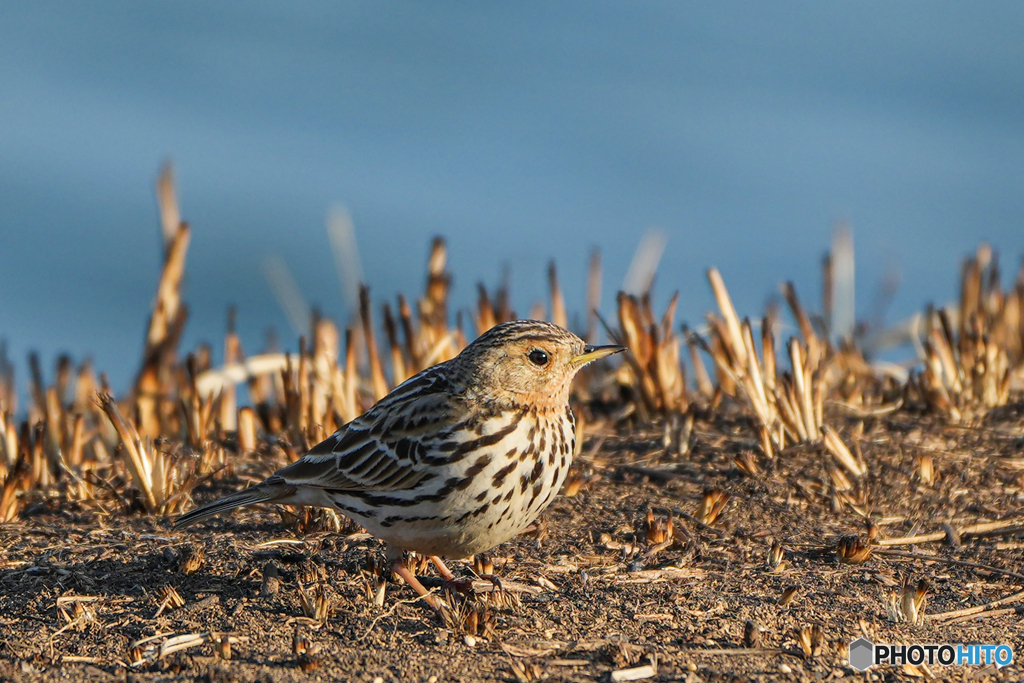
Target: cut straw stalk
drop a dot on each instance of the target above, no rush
(815, 347)
(668, 368)
(842, 454)
(1002, 527)
(804, 388)
(324, 372)
(433, 306)
(232, 354)
(14, 482)
(377, 380)
(167, 200)
(558, 314)
(486, 318)
(753, 380)
(657, 372)
(700, 371)
(593, 294)
(246, 430)
(409, 333)
(165, 327)
(768, 355)
(398, 370)
(134, 454)
(215, 380)
(732, 321)
(8, 440)
(351, 377)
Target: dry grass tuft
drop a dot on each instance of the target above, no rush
(317, 604)
(810, 640)
(170, 599)
(653, 369)
(790, 404)
(973, 353)
(162, 479)
(15, 483)
(190, 559)
(853, 549)
(711, 506)
(908, 605)
(658, 530)
(469, 617)
(775, 559)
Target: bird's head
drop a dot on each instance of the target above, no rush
(528, 361)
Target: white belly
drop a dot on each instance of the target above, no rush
(500, 499)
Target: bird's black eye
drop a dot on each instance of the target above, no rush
(538, 357)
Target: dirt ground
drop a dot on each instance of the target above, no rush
(587, 593)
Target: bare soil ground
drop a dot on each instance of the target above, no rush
(586, 593)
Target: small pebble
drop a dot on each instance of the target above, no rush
(784, 668)
(271, 583)
(469, 640)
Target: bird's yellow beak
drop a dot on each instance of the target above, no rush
(592, 353)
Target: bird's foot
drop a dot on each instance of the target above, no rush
(495, 582)
(459, 585)
(455, 585)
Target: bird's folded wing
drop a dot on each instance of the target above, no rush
(381, 450)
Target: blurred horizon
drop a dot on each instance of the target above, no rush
(744, 132)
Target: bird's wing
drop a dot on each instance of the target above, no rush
(384, 448)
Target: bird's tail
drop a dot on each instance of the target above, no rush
(261, 493)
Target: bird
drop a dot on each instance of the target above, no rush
(456, 460)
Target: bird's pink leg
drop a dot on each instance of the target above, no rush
(450, 582)
(398, 567)
(442, 569)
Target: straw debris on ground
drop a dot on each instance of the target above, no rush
(745, 502)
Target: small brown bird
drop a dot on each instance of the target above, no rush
(457, 459)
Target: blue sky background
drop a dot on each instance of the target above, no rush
(521, 132)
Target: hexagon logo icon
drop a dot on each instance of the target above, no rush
(861, 654)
